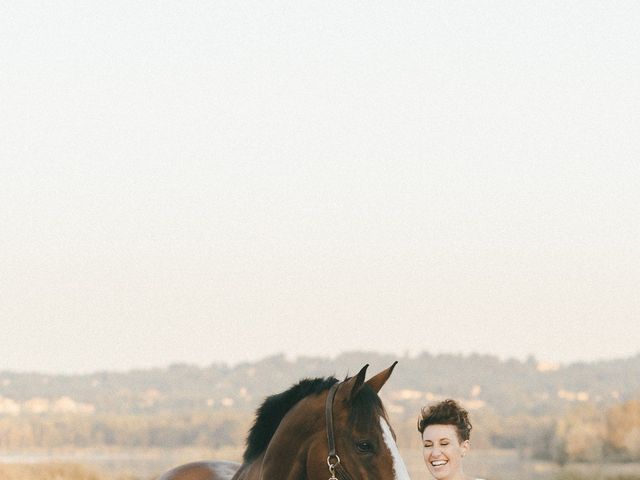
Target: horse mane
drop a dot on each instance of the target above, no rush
(274, 408)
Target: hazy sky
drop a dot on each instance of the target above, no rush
(214, 181)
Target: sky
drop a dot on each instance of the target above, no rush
(216, 182)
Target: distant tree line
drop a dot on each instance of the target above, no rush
(584, 434)
(510, 387)
(579, 412)
(143, 431)
(591, 435)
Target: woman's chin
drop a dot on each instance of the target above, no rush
(440, 473)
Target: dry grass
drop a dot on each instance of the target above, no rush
(596, 476)
(54, 471)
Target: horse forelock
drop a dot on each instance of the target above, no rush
(366, 406)
(274, 408)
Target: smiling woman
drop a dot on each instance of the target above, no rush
(445, 430)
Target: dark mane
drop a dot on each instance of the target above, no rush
(273, 410)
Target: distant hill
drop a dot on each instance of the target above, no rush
(506, 387)
(582, 412)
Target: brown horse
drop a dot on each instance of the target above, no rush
(317, 427)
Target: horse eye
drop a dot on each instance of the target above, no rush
(364, 446)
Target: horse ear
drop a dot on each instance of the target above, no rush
(377, 381)
(354, 384)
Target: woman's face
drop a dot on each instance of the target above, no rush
(443, 451)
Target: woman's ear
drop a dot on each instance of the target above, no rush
(465, 446)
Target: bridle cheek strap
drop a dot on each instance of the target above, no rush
(333, 460)
(329, 420)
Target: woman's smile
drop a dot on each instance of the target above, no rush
(443, 451)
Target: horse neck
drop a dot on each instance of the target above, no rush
(300, 430)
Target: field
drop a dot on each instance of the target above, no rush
(147, 464)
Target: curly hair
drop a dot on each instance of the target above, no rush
(447, 412)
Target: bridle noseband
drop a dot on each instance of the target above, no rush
(333, 460)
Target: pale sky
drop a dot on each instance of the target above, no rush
(214, 181)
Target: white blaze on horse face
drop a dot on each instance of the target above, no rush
(399, 468)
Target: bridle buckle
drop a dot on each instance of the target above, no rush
(332, 462)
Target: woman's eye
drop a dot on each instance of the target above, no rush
(364, 446)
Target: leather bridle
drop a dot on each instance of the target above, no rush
(333, 460)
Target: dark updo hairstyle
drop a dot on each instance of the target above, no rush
(447, 412)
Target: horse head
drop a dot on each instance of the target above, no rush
(343, 432)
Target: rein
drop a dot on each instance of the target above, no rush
(333, 460)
